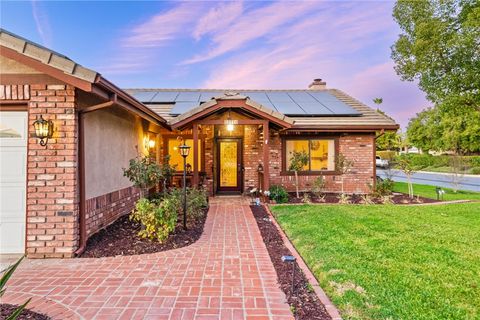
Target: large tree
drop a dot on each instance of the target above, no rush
(439, 47)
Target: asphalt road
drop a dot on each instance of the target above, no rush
(468, 182)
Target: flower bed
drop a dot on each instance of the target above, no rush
(303, 301)
(332, 198)
(121, 238)
(7, 309)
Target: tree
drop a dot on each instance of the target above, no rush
(389, 140)
(438, 47)
(298, 160)
(343, 166)
(405, 164)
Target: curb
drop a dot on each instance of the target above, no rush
(329, 306)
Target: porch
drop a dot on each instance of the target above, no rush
(230, 145)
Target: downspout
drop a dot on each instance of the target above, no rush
(81, 183)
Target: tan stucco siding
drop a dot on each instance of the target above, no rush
(112, 138)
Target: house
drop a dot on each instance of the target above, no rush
(58, 191)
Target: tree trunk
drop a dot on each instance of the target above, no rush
(410, 187)
(296, 183)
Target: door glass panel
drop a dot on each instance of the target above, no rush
(228, 163)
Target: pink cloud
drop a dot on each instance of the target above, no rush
(252, 25)
(218, 18)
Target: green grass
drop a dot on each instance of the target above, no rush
(428, 191)
(392, 262)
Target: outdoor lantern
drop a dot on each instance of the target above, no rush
(230, 123)
(184, 150)
(43, 130)
(148, 143)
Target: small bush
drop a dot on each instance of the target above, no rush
(473, 161)
(475, 170)
(344, 198)
(306, 198)
(197, 201)
(384, 187)
(366, 199)
(278, 193)
(318, 185)
(158, 217)
(387, 155)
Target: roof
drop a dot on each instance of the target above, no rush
(215, 103)
(68, 71)
(46, 56)
(315, 109)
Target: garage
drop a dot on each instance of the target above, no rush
(13, 167)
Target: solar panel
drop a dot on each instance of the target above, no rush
(188, 96)
(165, 96)
(333, 103)
(206, 96)
(144, 96)
(284, 104)
(259, 97)
(315, 108)
(181, 107)
(301, 96)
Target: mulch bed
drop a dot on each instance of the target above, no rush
(121, 238)
(7, 309)
(303, 302)
(332, 198)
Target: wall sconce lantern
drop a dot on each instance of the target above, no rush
(43, 130)
(148, 143)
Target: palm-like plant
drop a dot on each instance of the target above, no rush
(7, 273)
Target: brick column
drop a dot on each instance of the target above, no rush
(52, 200)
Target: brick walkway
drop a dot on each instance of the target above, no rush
(226, 274)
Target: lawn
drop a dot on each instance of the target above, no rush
(392, 262)
(428, 191)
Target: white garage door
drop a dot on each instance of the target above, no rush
(13, 167)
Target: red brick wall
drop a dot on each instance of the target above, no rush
(105, 209)
(357, 147)
(52, 200)
(252, 156)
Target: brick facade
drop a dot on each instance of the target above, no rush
(357, 147)
(52, 198)
(105, 209)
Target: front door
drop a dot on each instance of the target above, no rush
(229, 160)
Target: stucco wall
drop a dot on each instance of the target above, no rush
(112, 138)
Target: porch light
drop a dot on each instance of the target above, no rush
(184, 151)
(148, 143)
(43, 130)
(230, 123)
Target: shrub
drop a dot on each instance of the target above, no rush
(298, 160)
(306, 198)
(278, 193)
(6, 274)
(388, 155)
(197, 201)
(158, 217)
(143, 172)
(366, 199)
(475, 170)
(344, 198)
(318, 185)
(473, 161)
(384, 187)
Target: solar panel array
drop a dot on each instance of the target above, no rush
(293, 103)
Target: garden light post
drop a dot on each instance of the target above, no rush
(184, 150)
(291, 259)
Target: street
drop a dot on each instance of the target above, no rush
(467, 182)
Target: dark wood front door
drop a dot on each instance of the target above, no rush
(229, 165)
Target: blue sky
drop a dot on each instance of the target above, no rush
(248, 45)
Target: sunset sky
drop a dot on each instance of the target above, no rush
(244, 45)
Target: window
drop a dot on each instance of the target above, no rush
(321, 153)
(176, 159)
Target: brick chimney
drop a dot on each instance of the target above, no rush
(317, 84)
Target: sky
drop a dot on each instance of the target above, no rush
(234, 45)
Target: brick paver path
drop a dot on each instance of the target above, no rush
(226, 274)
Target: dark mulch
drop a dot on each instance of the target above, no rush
(7, 309)
(120, 238)
(303, 302)
(397, 198)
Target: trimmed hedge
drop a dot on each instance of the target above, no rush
(427, 160)
(388, 155)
